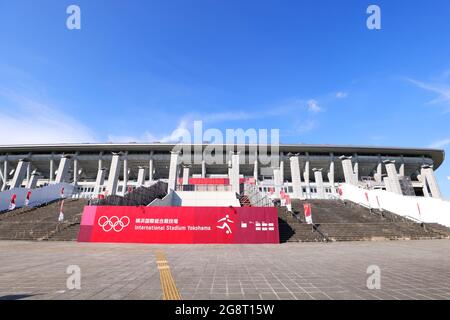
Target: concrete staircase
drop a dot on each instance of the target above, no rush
(42, 223)
(345, 221)
(293, 230)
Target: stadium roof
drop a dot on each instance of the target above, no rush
(437, 155)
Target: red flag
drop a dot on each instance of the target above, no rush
(367, 199)
(307, 211)
(27, 199)
(61, 212)
(12, 202)
(288, 199)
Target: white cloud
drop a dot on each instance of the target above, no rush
(27, 121)
(183, 131)
(230, 116)
(440, 144)
(313, 106)
(443, 91)
(180, 133)
(341, 95)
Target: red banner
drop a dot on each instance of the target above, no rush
(179, 225)
(307, 211)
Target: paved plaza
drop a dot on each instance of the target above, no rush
(409, 270)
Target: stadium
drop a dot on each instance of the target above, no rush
(220, 195)
(320, 167)
(109, 172)
(224, 150)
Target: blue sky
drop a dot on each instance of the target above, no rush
(138, 70)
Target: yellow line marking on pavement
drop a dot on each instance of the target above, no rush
(169, 288)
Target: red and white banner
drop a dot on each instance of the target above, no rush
(61, 212)
(27, 198)
(285, 200)
(308, 213)
(12, 202)
(226, 225)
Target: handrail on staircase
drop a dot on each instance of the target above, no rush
(323, 235)
(256, 198)
(422, 223)
(315, 227)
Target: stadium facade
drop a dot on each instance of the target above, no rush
(302, 171)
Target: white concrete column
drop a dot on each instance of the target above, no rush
(51, 175)
(2, 179)
(423, 179)
(100, 181)
(387, 184)
(393, 176)
(401, 171)
(185, 175)
(306, 177)
(356, 168)
(63, 169)
(430, 179)
(19, 173)
(173, 170)
(282, 172)
(256, 170)
(347, 167)
(296, 177)
(378, 176)
(331, 174)
(113, 176)
(5, 175)
(75, 170)
(141, 176)
(150, 169)
(32, 183)
(277, 181)
(28, 171)
(203, 168)
(234, 181)
(125, 173)
(319, 183)
(100, 161)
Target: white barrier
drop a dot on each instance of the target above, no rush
(415, 208)
(38, 196)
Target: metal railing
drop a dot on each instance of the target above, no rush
(256, 198)
(138, 197)
(314, 226)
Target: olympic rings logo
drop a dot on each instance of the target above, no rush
(114, 223)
